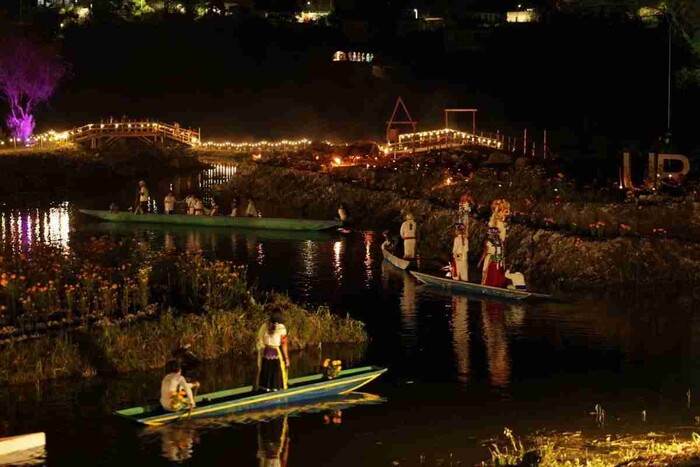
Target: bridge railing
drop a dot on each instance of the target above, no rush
(135, 128)
(425, 141)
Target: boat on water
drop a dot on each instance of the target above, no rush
(272, 223)
(477, 289)
(340, 402)
(23, 450)
(395, 260)
(246, 399)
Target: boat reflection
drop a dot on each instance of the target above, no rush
(408, 312)
(496, 340)
(177, 442)
(178, 439)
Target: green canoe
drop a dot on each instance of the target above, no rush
(217, 221)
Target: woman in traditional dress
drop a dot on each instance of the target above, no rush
(460, 252)
(465, 208)
(273, 355)
(493, 273)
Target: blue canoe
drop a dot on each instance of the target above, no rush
(245, 399)
(477, 289)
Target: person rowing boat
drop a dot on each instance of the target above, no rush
(175, 391)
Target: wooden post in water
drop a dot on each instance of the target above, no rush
(525, 142)
(544, 145)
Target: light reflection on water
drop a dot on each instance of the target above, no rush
(20, 229)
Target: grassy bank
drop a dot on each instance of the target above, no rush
(548, 256)
(577, 450)
(107, 307)
(148, 344)
(68, 167)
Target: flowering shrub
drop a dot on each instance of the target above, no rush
(597, 228)
(59, 287)
(331, 368)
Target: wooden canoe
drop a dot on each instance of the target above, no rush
(340, 402)
(272, 223)
(477, 289)
(395, 260)
(245, 399)
(22, 450)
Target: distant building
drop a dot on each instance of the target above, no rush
(521, 15)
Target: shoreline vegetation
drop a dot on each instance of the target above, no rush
(105, 308)
(66, 167)
(563, 236)
(575, 449)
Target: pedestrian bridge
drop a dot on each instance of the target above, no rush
(101, 135)
(412, 143)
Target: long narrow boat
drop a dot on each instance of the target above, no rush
(477, 289)
(340, 402)
(273, 223)
(395, 260)
(245, 399)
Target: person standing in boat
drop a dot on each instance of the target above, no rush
(273, 354)
(143, 197)
(169, 203)
(409, 234)
(500, 209)
(175, 391)
(460, 253)
(465, 209)
(251, 211)
(492, 273)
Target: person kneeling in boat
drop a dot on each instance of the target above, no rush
(460, 254)
(175, 391)
(388, 244)
(214, 211)
(273, 354)
(516, 279)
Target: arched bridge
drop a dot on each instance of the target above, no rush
(101, 135)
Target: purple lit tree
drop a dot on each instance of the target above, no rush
(29, 74)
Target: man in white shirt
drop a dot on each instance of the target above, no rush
(409, 234)
(171, 387)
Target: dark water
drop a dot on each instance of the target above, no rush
(460, 369)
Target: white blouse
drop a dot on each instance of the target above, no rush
(274, 339)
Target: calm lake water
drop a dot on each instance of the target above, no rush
(460, 369)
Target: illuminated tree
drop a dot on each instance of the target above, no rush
(29, 74)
